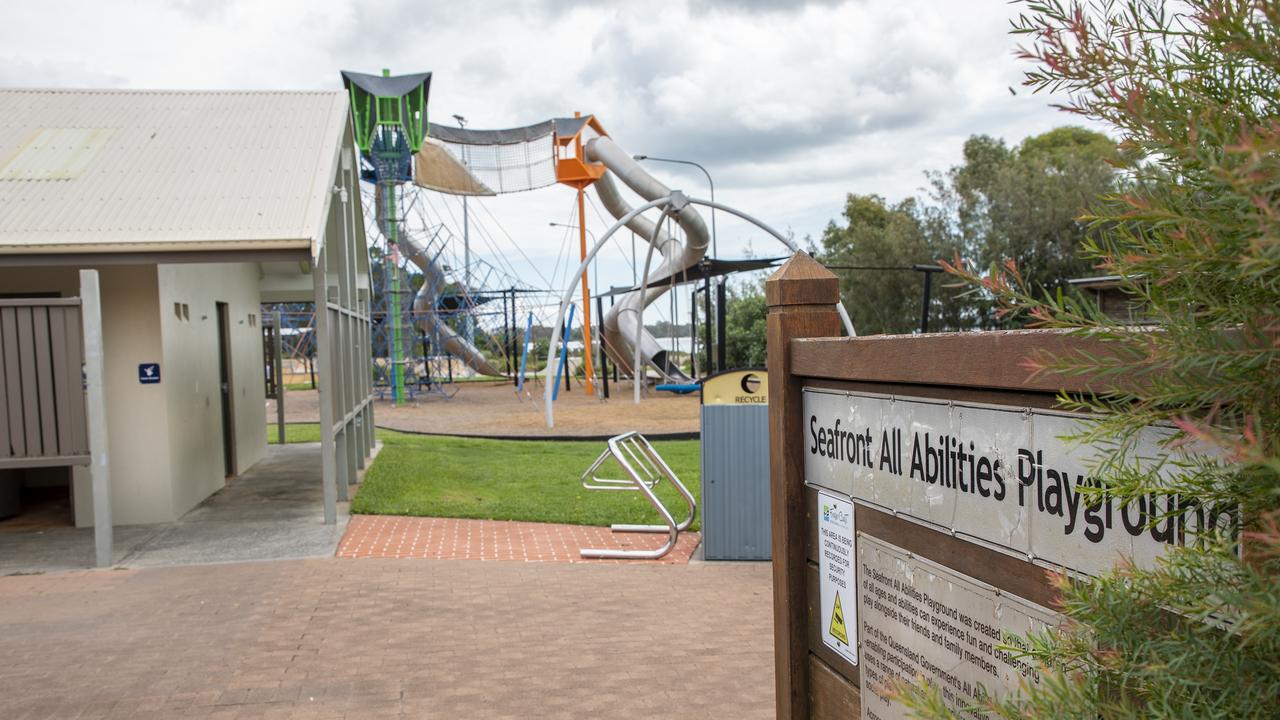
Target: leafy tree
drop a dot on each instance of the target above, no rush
(883, 295)
(745, 326)
(1024, 203)
(1021, 203)
(1194, 94)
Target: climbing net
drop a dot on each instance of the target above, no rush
(505, 161)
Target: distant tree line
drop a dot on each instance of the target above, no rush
(1020, 203)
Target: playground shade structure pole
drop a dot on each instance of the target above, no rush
(706, 326)
(564, 353)
(928, 271)
(693, 333)
(720, 332)
(524, 354)
(582, 251)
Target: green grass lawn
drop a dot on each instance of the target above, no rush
(295, 433)
(529, 480)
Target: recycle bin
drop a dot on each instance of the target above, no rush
(735, 465)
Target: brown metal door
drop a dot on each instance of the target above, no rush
(225, 385)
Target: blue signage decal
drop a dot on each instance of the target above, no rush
(149, 373)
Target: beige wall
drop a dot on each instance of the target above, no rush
(191, 373)
(137, 415)
(165, 440)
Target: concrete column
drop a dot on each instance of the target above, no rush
(278, 361)
(324, 383)
(340, 464)
(96, 407)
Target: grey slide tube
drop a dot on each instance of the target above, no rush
(620, 323)
(425, 317)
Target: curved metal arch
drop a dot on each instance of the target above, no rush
(664, 202)
(644, 287)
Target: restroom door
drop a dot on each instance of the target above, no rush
(224, 379)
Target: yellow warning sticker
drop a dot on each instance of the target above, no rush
(837, 573)
(837, 622)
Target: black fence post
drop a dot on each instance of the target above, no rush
(720, 334)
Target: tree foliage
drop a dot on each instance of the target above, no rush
(873, 253)
(1019, 202)
(745, 326)
(1193, 90)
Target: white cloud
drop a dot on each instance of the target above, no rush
(790, 105)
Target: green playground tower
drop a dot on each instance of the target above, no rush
(389, 115)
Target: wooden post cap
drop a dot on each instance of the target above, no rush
(802, 281)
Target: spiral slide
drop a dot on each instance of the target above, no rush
(626, 317)
(425, 316)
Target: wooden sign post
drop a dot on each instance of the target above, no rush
(923, 492)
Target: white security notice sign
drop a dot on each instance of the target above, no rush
(838, 587)
(921, 620)
(1004, 476)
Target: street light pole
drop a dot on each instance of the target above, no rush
(468, 323)
(710, 182)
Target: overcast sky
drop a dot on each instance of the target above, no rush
(790, 105)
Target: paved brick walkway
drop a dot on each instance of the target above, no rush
(393, 536)
(389, 639)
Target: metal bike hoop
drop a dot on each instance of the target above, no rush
(644, 468)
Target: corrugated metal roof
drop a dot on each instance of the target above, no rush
(128, 171)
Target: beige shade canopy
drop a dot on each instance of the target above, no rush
(437, 169)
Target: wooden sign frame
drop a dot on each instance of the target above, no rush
(805, 351)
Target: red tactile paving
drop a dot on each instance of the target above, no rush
(393, 536)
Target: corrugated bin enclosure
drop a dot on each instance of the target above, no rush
(735, 466)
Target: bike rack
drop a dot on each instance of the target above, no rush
(645, 468)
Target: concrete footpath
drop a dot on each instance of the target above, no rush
(376, 638)
(274, 511)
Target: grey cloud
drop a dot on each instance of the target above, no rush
(699, 7)
(59, 74)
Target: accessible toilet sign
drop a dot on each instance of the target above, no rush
(836, 570)
(149, 373)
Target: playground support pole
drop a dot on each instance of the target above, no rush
(720, 310)
(604, 357)
(506, 333)
(693, 334)
(586, 293)
(706, 325)
(394, 307)
(524, 354)
(564, 354)
(511, 339)
(586, 290)
(928, 271)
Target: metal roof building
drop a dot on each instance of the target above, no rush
(173, 215)
(125, 170)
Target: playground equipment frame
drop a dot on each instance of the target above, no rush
(677, 201)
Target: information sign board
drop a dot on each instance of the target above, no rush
(1003, 476)
(919, 619)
